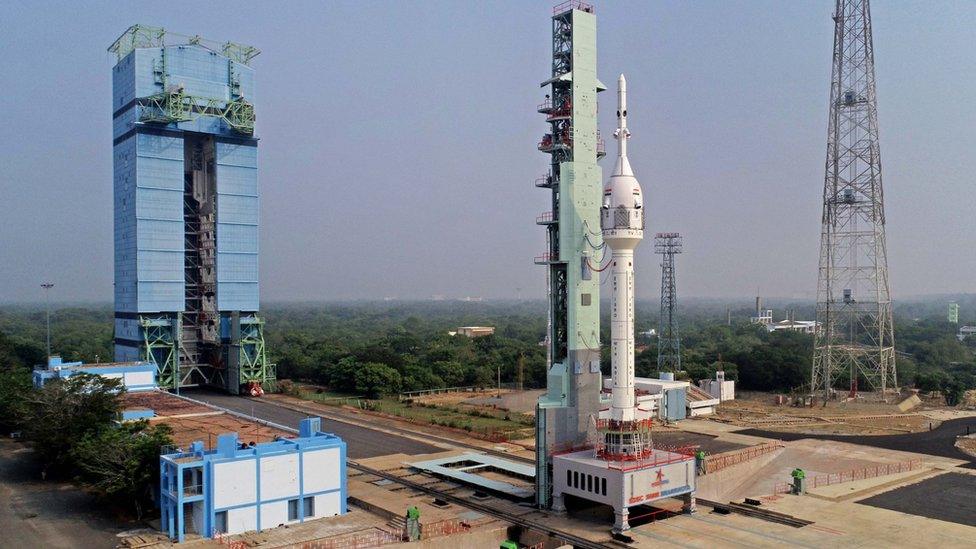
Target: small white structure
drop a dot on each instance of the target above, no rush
(718, 388)
(135, 376)
(965, 331)
(803, 326)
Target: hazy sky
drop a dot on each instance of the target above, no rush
(397, 152)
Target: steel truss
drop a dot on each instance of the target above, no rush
(669, 343)
(855, 333)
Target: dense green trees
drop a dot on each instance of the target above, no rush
(122, 463)
(64, 412)
(328, 344)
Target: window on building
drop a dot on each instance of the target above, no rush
(293, 509)
(220, 522)
(575, 479)
(569, 477)
(309, 507)
(589, 483)
(603, 486)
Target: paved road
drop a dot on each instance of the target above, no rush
(950, 497)
(47, 514)
(360, 441)
(940, 441)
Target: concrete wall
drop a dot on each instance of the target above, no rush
(233, 483)
(321, 470)
(721, 485)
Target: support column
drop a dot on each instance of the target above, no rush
(620, 523)
(558, 505)
(690, 506)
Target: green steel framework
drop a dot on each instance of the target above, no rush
(567, 411)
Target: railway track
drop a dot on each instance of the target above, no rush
(484, 508)
(756, 512)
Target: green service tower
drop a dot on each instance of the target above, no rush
(568, 410)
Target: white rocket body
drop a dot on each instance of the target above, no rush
(622, 221)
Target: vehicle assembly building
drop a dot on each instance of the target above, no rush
(186, 211)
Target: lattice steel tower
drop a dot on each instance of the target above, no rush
(855, 333)
(669, 344)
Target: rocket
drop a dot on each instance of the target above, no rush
(622, 223)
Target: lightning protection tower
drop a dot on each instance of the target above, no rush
(566, 413)
(855, 332)
(669, 344)
(186, 210)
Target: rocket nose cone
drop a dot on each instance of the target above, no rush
(622, 80)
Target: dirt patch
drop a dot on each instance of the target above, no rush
(207, 428)
(855, 417)
(967, 444)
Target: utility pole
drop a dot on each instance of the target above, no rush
(47, 307)
(855, 331)
(669, 344)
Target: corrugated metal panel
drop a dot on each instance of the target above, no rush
(200, 71)
(159, 213)
(124, 353)
(124, 164)
(237, 228)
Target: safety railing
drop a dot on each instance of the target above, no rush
(661, 456)
(543, 259)
(544, 181)
(854, 474)
(572, 5)
(406, 395)
(721, 461)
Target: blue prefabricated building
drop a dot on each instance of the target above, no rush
(135, 376)
(236, 488)
(186, 211)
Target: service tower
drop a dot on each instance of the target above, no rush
(186, 211)
(567, 412)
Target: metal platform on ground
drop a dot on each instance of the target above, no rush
(484, 471)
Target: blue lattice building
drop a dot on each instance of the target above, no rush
(186, 210)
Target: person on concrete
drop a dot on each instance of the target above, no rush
(413, 523)
(700, 461)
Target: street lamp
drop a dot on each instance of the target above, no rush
(47, 306)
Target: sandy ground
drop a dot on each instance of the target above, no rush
(861, 417)
(47, 514)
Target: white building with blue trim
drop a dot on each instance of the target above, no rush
(135, 376)
(236, 488)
